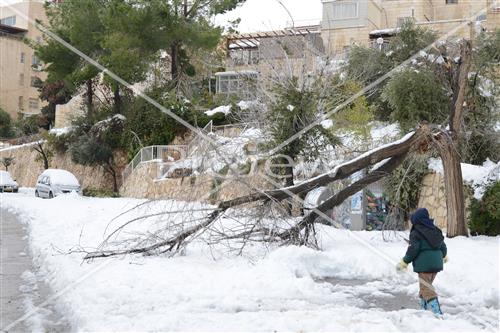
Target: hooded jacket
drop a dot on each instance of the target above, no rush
(427, 248)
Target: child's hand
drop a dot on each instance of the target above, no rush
(445, 259)
(401, 266)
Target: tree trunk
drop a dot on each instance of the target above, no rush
(117, 99)
(288, 183)
(90, 98)
(111, 170)
(453, 184)
(375, 175)
(413, 142)
(448, 145)
(175, 63)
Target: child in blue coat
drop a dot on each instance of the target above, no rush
(427, 251)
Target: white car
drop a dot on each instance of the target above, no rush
(53, 182)
(7, 184)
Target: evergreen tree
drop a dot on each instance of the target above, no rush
(6, 130)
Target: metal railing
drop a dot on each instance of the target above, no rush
(195, 143)
(155, 153)
(166, 153)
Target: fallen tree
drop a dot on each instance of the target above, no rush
(388, 157)
(445, 141)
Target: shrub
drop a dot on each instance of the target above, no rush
(92, 192)
(6, 130)
(485, 213)
(404, 184)
(416, 96)
(59, 143)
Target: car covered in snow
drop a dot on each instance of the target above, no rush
(7, 184)
(54, 182)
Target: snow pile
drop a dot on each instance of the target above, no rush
(246, 105)
(285, 290)
(327, 123)
(479, 177)
(225, 109)
(214, 157)
(61, 131)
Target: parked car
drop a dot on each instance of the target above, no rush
(53, 182)
(7, 184)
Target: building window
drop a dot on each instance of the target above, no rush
(33, 104)
(35, 63)
(244, 56)
(21, 79)
(448, 2)
(11, 20)
(23, 57)
(236, 82)
(344, 10)
(20, 102)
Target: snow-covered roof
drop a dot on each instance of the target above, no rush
(243, 72)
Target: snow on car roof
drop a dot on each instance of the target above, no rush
(61, 177)
(6, 178)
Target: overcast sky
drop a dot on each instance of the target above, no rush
(263, 15)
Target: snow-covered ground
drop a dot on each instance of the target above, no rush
(345, 287)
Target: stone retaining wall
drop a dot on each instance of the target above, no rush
(142, 183)
(433, 197)
(26, 168)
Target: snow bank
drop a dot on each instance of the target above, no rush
(61, 131)
(246, 105)
(225, 109)
(478, 176)
(280, 291)
(209, 160)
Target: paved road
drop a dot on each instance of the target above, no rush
(14, 262)
(14, 290)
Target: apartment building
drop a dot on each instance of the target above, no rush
(20, 69)
(346, 23)
(362, 22)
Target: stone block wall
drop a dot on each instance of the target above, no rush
(26, 168)
(142, 183)
(433, 197)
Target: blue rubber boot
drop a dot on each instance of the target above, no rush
(434, 306)
(422, 303)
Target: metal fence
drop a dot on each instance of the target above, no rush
(152, 153)
(195, 144)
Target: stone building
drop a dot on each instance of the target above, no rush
(20, 69)
(261, 56)
(362, 22)
(346, 23)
